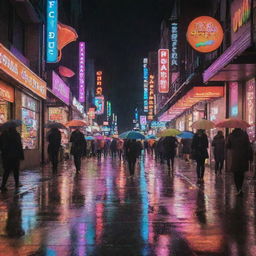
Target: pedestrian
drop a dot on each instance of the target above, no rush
(218, 144)
(120, 146)
(77, 149)
(241, 154)
(200, 152)
(186, 148)
(170, 144)
(132, 153)
(12, 154)
(113, 147)
(99, 147)
(54, 139)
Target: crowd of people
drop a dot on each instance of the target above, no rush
(163, 150)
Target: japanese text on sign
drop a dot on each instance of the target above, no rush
(99, 83)
(82, 72)
(145, 84)
(151, 102)
(174, 47)
(163, 70)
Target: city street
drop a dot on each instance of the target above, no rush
(103, 212)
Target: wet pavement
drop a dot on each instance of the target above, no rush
(103, 212)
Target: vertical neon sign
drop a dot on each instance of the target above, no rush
(52, 31)
(145, 84)
(82, 72)
(163, 70)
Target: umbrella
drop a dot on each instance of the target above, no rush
(169, 132)
(76, 123)
(89, 138)
(233, 123)
(132, 135)
(151, 137)
(55, 125)
(203, 124)
(100, 137)
(11, 124)
(186, 135)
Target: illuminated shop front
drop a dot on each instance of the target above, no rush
(21, 85)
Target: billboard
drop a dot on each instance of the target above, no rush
(163, 70)
(99, 103)
(81, 78)
(145, 84)
(52, 31)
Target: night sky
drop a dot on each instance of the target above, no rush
(119, 33)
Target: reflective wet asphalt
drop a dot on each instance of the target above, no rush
(102, 212)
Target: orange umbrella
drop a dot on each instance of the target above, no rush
(233, 123)
(76, 123)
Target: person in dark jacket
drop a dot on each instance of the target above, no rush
(170, 144)
(12, 153)
(132, 153)
(241, 154)
(113, 147)
(186, 148)
(218, 144)
(77, 149)
(54, 139)
(200, 153)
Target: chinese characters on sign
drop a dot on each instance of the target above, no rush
(163, 70)
(151, 102)
(174, 47)
(205, 34)
(99, 103)
(99, 83)
(145, 84)
(52, 31)
(82, 72)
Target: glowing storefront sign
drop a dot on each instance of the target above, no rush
(78, 105)
(143, 120)
(91, 113)
(6, 92)
(99, 103)
(109, 109)
(233, 99)
(82, 72)
(151, 99)
(163, 70)
(174, 47)
(13, 67)
(145, 84)
(99, 83)
(205, 34)
(52, 31)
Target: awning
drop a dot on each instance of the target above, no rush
(194, 96)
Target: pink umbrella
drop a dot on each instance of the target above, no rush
(233, 123)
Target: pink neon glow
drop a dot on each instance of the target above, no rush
(81, 72)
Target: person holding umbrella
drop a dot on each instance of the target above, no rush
(12, 154)
(54, 139)
(199, 152)
(78, 147)
(170, 144)
(132, 153)
(218, 144)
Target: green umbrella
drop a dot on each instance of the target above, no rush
(169, 132)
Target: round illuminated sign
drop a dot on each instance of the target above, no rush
(205, 34)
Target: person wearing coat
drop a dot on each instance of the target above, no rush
(186, 148)
(132, 153)
(199, 148)
(54, 139)
(77, 149)
(218, 144)
(170, 144)
(241, 153)
(12, 154)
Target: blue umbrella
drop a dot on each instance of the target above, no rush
(89, 138)
(132, 135)
(151, 137)
(186, 135)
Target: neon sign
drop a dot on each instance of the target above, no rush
(205, 34)
(174, 47)
(151, 100)
(99, 103)
(145, 84)
(82, 72)
(163, 70)
(241, 15)
(99, 83)
(109, 109)
(52, 31)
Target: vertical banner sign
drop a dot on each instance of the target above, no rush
(143, 120)
(174, 47)
(99, 83)
(145, 84)
(163, 70)
(151, 98)
(82, 72)
(99, 103)
(52, 31)
(109, 109)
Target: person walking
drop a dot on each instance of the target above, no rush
(54, 139)
(113, 147)
(241, 154)
(218, 144)
(170, 144)
(186, 148)
(12, 154)
(120, 147)
(132, 153)
(200, 153)
(77, 149)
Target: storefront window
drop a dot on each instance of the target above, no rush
(250, 108)
(4, 111)
(233, 99)
(30, 122)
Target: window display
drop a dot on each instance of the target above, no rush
(30, 122)
(250, 107)
(4, 111)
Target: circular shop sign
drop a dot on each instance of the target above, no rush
(205, 34)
